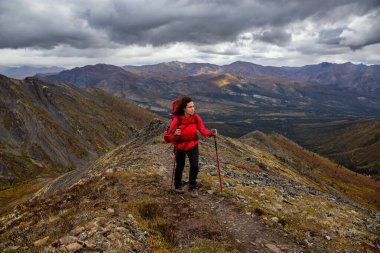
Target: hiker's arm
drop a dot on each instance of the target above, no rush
(201, 127)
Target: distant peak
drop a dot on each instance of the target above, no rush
(105, 65)
(242, 63)
(176, 63)
(325, 64)
(100, 66)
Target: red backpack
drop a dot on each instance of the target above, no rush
(175, 106)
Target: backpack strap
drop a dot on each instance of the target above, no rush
(196, 118)
(195, 121)
(179, 121)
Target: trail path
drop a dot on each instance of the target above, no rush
(248, 231)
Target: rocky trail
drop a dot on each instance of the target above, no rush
(248, 231)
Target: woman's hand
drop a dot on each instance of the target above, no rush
(214, 132)
(177, 132)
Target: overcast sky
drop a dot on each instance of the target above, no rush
(71, 33)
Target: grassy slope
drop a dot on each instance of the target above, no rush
(356, 145)
(358, 187)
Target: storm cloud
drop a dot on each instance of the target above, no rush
(112, 24)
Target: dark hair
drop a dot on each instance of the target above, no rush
(182, 106)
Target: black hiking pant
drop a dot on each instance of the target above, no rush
(193, 155)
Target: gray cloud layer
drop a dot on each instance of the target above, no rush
(273, 32)
(114, 23)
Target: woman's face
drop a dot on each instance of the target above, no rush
(190, 109)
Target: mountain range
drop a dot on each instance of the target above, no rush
(338, 75)
(317, 91)
(242, 97)
(25, 71)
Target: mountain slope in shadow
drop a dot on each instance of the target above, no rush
(354, 144)
(47, 129)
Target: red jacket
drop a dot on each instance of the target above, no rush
(189, 136)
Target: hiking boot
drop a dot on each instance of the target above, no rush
(179, 190)
(193, 193)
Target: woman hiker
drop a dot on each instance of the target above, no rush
(183, 132)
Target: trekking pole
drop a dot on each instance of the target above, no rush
(217, 159)
(175, 156)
